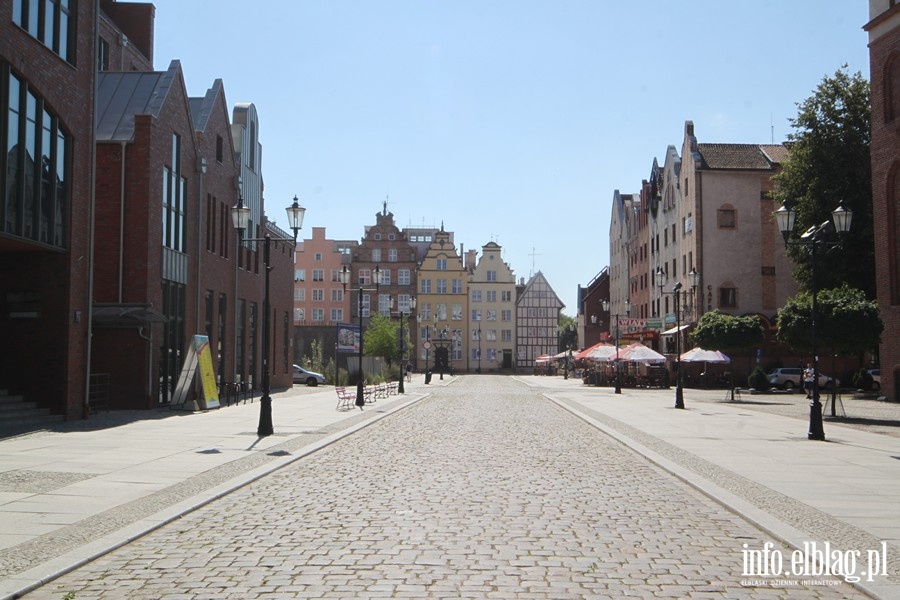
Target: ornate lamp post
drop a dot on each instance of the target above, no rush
(345, 279)
(618, 366)
(240, 217)
(811, 240)
(403, 317)
(677, 296)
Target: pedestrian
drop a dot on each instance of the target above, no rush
(809, 375)
(409, 372)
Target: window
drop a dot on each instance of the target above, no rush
(506, 296)
(318, 257)
(441, 311)
(49, 21)
(298, 315)
(491, 315)
(337, 315)
(425, 286)
(174, 192)
(299, 275)
(318, 275)
(492, 295)
(403, 277)
(392, 254)
(385, 277)
(384, 305)
(298, 294)
(727, 297)
(476, 314)
(337, 294)
(318, 295)
(457, 314)
(366, 305)
(220, 149)
(441, 286)
(364, 277)
(376, 255)
(102, 55)
(506, 315)
(457, 286)
(727, 217)
(377, 236)
(492, 275)
(491, 335)
(403, 303)
(318, 314)
(506, 335)
(441, 264)
(476, 295)
(36, 203)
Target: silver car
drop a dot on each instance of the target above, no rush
(310, 378)
(789, 378)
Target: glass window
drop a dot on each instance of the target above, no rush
(392, 254)
(403, 277)
(441, 286)
(442, 264)
(457, 286)
(376, 255)
(425, 286)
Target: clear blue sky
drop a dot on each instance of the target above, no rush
(506, 120)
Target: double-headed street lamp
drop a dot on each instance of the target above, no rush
(345, 279)
(403, 317)
(240, 216)
(618, 366)
(677, 293)
(811, 240)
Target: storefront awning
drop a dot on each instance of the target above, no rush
(125, 315)
(674, 330)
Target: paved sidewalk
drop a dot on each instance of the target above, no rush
(71, 493)
(67, 497)
(759, 463)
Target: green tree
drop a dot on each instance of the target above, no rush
(380, 338)
(729, 334)
(829, 163)
(568, 333)
(846, 321)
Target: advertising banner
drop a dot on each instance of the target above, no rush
(347, 337)
(209, 398)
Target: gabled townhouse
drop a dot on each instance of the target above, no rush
(537, 321)
(663, 208)
(622, 230)
(168, 264)
(884, 65)
(492, 298)
(47, 70)
(441, 307)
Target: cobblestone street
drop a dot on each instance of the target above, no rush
(483, 490)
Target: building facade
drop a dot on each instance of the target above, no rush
(441, 307)
(884, 60)
(492, 302)
(537, 321)
(47, 60)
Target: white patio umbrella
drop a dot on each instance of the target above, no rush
(701, 355)
(602, 353)
(637, 352)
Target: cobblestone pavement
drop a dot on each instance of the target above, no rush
(484, 490)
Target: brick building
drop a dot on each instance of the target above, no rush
(46, 117)
(884, 59)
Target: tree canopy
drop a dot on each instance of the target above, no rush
(728, 333)
(846, 322)
(829, 163)
(380, 338)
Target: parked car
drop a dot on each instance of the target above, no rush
(789, 378)
(310, 378)
(876, 379)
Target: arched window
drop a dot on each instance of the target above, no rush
(891, 85)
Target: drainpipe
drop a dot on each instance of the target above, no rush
(121, 220)
(86, 408)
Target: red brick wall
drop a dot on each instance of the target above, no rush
(886, 206)
(51, 367)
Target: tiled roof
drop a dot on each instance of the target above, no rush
(740, 156)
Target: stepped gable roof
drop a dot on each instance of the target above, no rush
(201, 108)
(122, 95)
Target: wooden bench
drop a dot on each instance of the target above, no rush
(346, 398)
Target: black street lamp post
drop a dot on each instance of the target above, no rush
(677, 296)
(618, 366)
(240, 216)
(403, 317)
(811, 240)
(345, 279)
